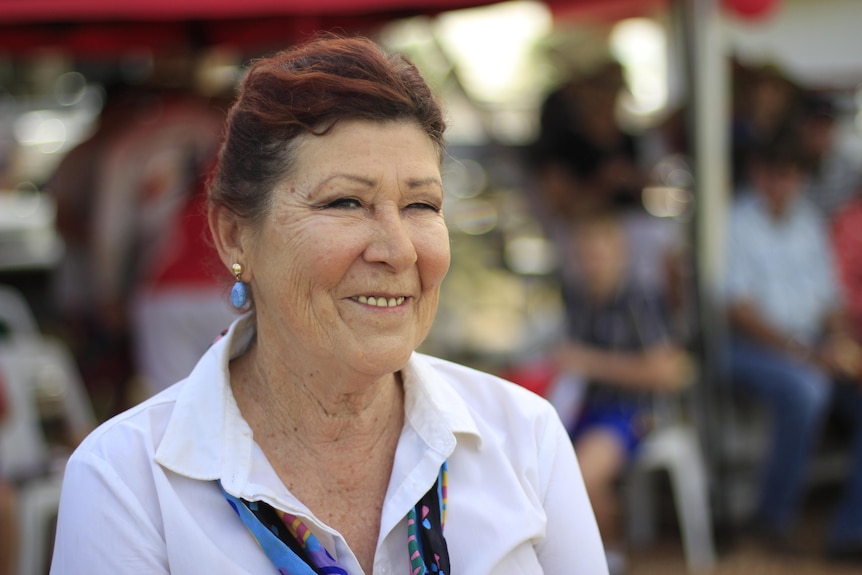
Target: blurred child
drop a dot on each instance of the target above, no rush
(618, 342)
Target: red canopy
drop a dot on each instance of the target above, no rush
(22, 11)
(104, 27)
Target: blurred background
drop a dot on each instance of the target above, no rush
(109, 114)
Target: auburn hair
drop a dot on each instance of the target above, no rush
(306, 90)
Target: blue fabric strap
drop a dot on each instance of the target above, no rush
(294, 550)
(280, 554)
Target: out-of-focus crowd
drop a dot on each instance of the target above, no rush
(136, 297)
(791, 290)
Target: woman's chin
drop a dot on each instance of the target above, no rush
(380, 360)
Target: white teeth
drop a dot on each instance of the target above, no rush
(380, 301)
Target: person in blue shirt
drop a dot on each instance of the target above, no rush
(788, 338)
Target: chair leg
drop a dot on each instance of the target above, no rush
(640, 508)
(38, 503)
(675, 450)
(688, 477)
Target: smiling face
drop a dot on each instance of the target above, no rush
(347, 265)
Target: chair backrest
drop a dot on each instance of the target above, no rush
(15, 315)
(43, 385)
(23, 447)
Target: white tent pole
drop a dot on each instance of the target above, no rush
(708, 71)
(711, 87)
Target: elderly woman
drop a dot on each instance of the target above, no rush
(312, 438)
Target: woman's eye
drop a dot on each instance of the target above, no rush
(423, 206)
(345, 203)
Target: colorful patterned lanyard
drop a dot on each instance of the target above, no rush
(427, 548)
(294, 549)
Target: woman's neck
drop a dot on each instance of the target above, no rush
(323, 413)
(330, 438)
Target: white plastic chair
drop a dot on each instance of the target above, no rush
(675, 449)
(37, 507)
(37, 372)
(15, 313)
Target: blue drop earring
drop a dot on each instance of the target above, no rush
(239, 293)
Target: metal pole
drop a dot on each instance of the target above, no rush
(709, 122)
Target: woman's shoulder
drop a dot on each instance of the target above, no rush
(200, 397)
(138, 428)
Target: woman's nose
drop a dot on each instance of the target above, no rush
(391, 242)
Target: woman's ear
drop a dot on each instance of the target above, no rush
(227, 235)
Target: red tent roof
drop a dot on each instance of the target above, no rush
(30, 11)
(23, 11)
(106, 27)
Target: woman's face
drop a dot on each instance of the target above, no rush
(346, 267)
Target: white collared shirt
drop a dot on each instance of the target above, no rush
(140, 493)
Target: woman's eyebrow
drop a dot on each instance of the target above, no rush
(422, 182)
(413, 183)
(366, 182)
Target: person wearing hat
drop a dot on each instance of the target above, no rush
(831, 177)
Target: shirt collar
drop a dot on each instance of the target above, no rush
(207, 438)
(433, 407)
(795, 208)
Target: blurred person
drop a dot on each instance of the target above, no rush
(659, 261)
(149, 255)
(831, 177)
(620, 344)
(789, 342)
(73, 185)
(103, 355)
(765, 109)
(179, 307)
(8, 507)
(584, 161)
(312, 437)
(847, 243)
(658, 225)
